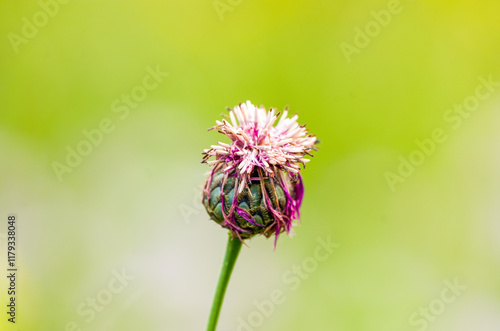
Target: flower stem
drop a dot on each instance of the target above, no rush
(232, 250)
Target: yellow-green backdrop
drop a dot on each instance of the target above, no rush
(104, 107)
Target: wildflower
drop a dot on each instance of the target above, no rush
(255, 185)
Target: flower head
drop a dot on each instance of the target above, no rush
(255, 184)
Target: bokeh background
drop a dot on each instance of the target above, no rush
(119, 241)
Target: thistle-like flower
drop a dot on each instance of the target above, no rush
(255, 185)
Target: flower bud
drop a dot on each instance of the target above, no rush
(263, 206)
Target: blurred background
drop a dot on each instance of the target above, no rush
(103, 118)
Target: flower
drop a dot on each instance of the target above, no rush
(255, 185)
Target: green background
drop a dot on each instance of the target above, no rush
(132, 204)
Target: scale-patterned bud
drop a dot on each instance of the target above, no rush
(262, 206)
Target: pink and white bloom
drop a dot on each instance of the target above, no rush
(262, 150)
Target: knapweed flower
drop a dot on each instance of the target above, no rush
(255, 185)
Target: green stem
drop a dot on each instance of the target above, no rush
(232, 251)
